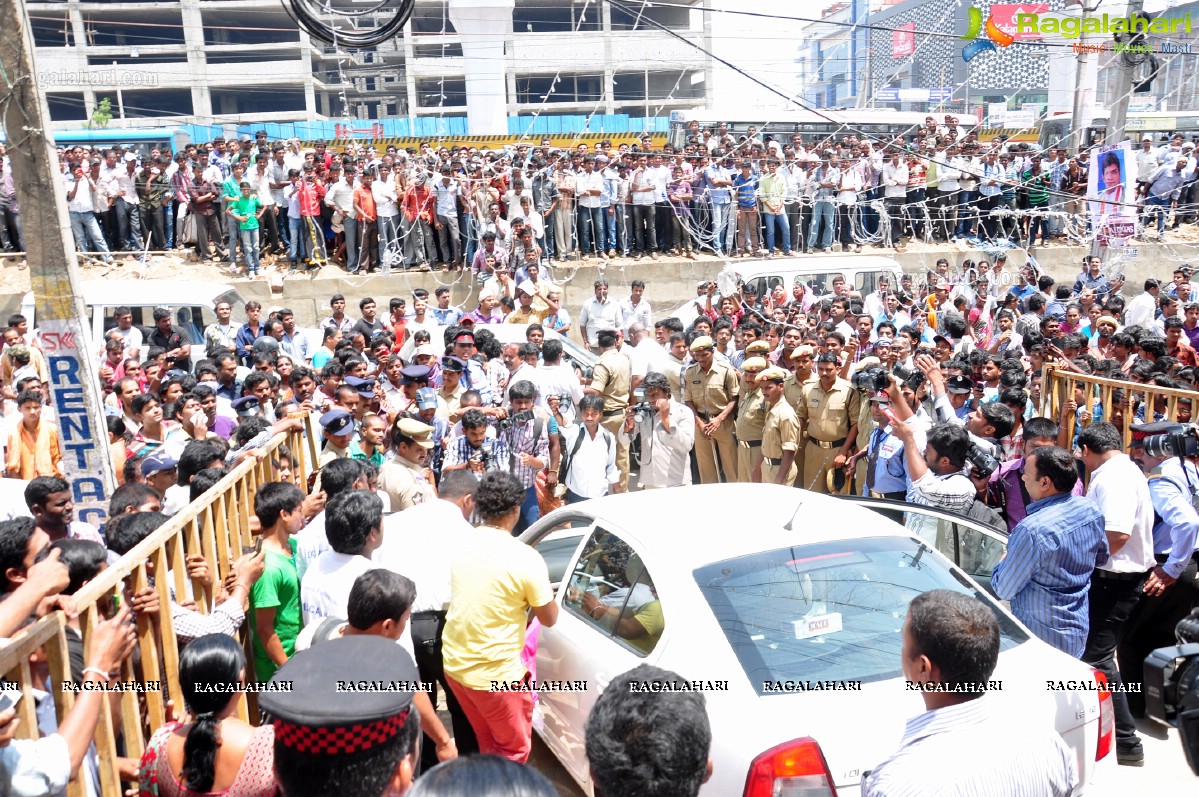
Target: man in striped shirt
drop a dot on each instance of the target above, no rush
(950, 646)
(1052, 552)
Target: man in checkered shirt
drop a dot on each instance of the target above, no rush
(528, 440)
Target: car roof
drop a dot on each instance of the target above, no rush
(152, 293)
(759, 514)
(818, 264)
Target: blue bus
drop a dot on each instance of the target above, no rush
(141, 140)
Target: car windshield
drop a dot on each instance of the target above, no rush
(830, 611)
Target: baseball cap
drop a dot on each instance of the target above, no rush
(426, 398)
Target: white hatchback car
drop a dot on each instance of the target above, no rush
(753, 586)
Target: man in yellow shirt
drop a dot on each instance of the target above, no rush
(494, 582)
(527, 312)
(34, 447)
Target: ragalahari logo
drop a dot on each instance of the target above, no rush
(975, 26)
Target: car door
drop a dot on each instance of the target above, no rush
(974, 547)
(610, 620)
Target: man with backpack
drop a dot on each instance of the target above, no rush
(589, 464)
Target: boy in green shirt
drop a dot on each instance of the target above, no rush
(275, 598)
(247, 209)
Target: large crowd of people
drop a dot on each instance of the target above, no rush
(369, 209)
(927, 392)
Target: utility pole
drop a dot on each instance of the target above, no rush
(74, 383)
(1118, 110)
(1077, 123)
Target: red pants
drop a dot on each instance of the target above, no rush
(503, 721)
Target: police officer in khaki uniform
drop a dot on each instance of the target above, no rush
(829, 409)
(751, 417)
(710, 390)
(406, 477)
(612, 380)
(780, 434)
(802, 358)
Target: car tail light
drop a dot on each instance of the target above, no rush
(1107, 717)
(794, 769)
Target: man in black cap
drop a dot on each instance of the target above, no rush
(331, 738)
(451, 389)
(339, 429)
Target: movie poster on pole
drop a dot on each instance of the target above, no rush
(1110, 194)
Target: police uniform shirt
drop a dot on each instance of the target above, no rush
(405, 483)
(793, 389)
(709, 392)
(331, 453)
(780, 432)
(829, 413)
(751, 416)
(613, 378)
(449, 403)
(674, 375)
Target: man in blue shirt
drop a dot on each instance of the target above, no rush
(886, 472)
(1172, 587)
(1046, 572)
(746, 186)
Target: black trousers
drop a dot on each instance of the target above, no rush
(426, 639)
(1111, 606)
(1151, 626)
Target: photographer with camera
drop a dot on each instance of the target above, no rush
(937, 469)
(527, 434)
(667, 432)
(987, 424)
(476, 449)
(1166, 453)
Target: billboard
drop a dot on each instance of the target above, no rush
(1110, 193)
(903, 40)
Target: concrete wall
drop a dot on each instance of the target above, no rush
(671, 282)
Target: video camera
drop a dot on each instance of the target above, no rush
(1184, 443)
(1172, 685)
(484, 453)
(876, 377)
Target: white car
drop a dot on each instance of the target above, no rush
(753, 586)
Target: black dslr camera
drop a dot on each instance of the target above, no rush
(877, 378)
(1172, 685)
(984, 464)
(642, 409)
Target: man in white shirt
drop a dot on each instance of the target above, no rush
(895, 193)
(1142, 309)
(388, 211)
(1119, 487)
(667, 434)
(635, 310)
(589, 455)
(128, 215)
(421, 543)
(447, 194)
(556, 378)
(340, 197)
(354, 528)
(599, 313)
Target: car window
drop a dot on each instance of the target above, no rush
(821, 283)
(828, 611)
(612, 592)
(973, 550)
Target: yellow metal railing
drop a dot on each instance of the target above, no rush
(1116, 399)
(216, 525)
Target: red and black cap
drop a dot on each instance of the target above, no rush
(346, 695)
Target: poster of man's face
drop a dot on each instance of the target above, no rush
(1111, 195)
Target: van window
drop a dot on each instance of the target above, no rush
(192, 319)
(821, 283)
(764, 285)
(867, 281)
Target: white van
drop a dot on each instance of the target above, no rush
(191, 304)
(861, 272)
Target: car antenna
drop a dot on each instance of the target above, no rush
(791, 523)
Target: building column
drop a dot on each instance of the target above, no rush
(484, 26)
(197, 62)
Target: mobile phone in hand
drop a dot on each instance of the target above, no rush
(255, 549)
(9, 698)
